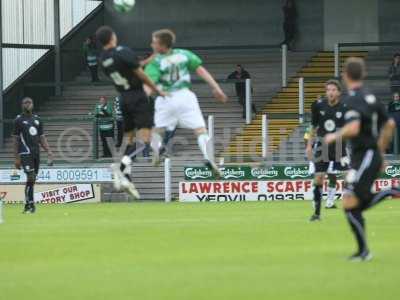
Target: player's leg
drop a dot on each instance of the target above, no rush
(120, 134)
(29, 192)
(205, 145)
(383, 195)
(134, 147)
(28, 165)
(317, 192)
(330, 201)
(157, 144)
(191, 117)
(353, 211)
(165, 116)
(136, 115)
(357, 196)
(167, 141)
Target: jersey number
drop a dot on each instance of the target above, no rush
(174, 73)
(119, 80)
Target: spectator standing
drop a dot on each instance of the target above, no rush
(119, 122)
(104, 114)
(394, 74)
(289, 22)
(241, 74)
(90, 55)
(394, 112)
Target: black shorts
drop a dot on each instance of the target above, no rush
(365, 168)
(330, 167)
(30, 163)
(136, 110)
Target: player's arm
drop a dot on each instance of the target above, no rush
(16, 139)
(387, 128)
(147, 60)
(216, 89)
(45, 144)
(351, 129)
(312, 131)
(195, 64)
(148, 82)
(16, 154)
(310, 142)
(46, 147)
(386, 135)
(129, 58)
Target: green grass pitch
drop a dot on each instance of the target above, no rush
(195, 251)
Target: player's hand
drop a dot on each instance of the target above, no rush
(330, 138)
(18, 163)
(384, 165)
(311, 168)
(50, 159)
(220, 95)
(309, 152)
(162, 93)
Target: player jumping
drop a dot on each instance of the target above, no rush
(121, 65)
(28, 137)
(369, 131)
(327, 116)
(170, 69)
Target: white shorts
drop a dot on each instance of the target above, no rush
(179, 109)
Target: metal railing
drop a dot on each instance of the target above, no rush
(339, 46)
(74, 143)
(302, 115)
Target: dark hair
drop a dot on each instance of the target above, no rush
(104, 35)
(396, 55)
(166, 37)
(334, 82)
(355, 68)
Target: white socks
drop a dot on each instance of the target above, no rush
(126, 162)
(156, 142)
(203, 141)
(330, 201)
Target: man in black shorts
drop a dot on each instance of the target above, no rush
(121, 65)
(369, 131)
(28, 136)
(327, 116)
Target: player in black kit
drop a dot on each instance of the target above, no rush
(327, 116)
(28, 137)
(121, 65)
(369, 131)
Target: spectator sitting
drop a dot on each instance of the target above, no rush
(90, 55)
(394, 74)
(104, 112)
(394, 112)
(241, 74)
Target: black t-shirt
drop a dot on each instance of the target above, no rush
(328, 119)
(28, 128)
(240, 86)
(118, 64)
(372, 114)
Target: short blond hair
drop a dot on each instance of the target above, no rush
(166, 37)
